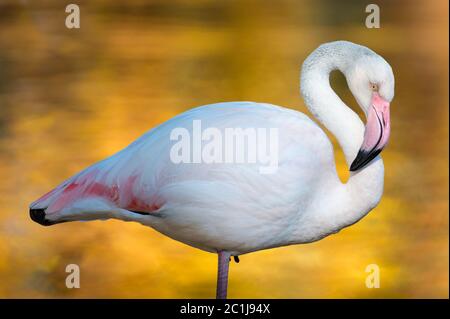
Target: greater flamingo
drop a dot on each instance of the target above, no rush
(232, 208)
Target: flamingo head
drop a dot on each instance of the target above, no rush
(371, 81)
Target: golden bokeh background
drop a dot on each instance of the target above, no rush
(69, 98)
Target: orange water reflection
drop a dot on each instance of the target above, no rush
(71, 97)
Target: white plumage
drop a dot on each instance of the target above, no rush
(233, 207)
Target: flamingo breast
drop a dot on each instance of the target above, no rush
(235, 207)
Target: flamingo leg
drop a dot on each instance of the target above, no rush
(222, 274)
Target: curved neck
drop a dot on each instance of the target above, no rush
(324, 103)
(364, 188)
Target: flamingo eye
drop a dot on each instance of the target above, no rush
(374, 87)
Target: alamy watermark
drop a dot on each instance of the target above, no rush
(73, 279)
(73, 17)
(230, 146)
(373, 19)
(373, 278)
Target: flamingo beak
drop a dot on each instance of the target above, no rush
(376, 135)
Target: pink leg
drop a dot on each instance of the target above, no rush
(222, 274)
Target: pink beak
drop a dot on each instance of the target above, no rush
(376, 135)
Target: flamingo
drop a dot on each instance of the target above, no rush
(233, 208)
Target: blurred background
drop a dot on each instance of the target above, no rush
(71, 97)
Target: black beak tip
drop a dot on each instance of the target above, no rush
(355, 166)
(363, 159)
(38, 215)
(359, 160)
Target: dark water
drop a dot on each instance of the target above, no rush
(71, 97)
